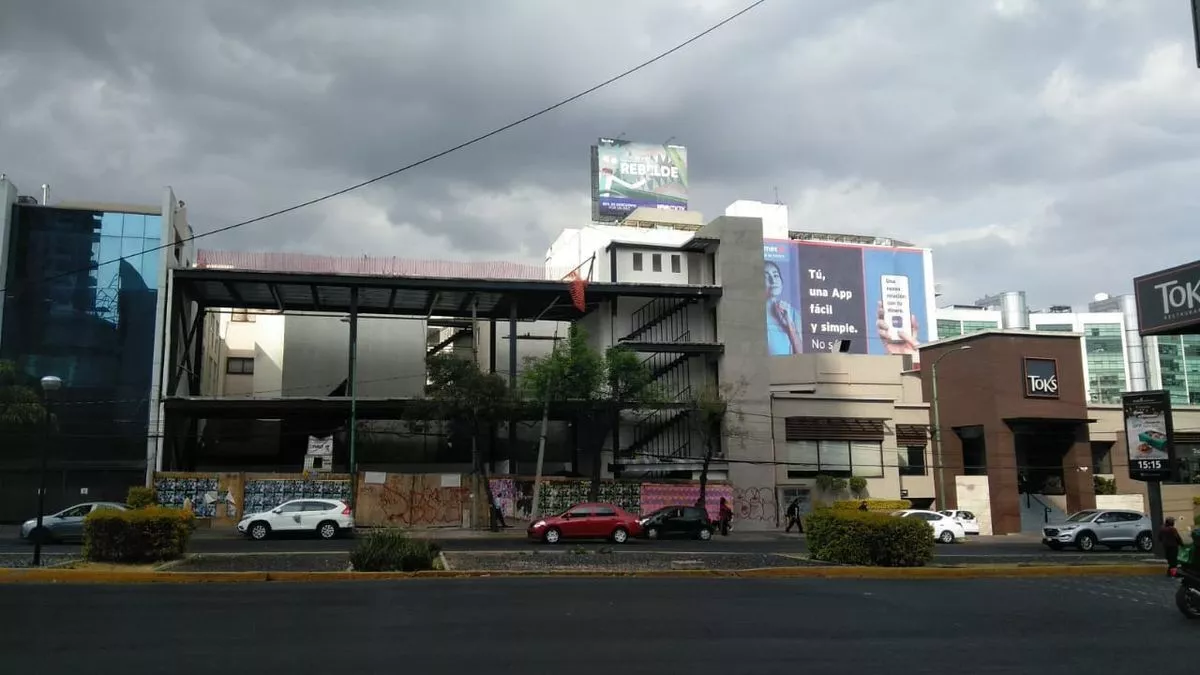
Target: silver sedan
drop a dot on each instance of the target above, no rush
(66, 525)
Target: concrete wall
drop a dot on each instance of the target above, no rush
(391, 356)
(974, 495)
(626, 273)
(179, 253)
(741, 316)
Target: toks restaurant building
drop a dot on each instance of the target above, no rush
(1018, 439)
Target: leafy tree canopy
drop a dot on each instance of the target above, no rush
(575, 371)
(20, 404)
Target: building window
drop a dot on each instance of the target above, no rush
(1055, 327)
(676, 264)
(235, 365)
(1105, 362)
(656, 262)
(969, 327)
(835, 458)
(948, 328)
(637, 262)
(1188, 455)
(912, 461)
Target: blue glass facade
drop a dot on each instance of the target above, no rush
(82, 302)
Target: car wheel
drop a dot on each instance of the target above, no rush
(259, 530)
(327, 530)
(1086, 542)
(1055, 545)
(705, 534)
(1145, 542)
(620, 535)
(652, 533)
(552, 536)
(947, 537)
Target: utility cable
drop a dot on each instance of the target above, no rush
(465, 144)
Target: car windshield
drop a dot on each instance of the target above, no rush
(1081, 517)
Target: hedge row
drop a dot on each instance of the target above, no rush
(1196, 501)
(142, 535)
(886, 505)
(853, 537)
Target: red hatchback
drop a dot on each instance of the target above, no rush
(587, 521)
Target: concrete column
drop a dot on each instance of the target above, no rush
(1003, 480)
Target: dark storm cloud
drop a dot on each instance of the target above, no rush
(1051, 133)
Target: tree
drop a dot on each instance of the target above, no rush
(20, 406)
(458, 390)
(709, 414)
(600, 384)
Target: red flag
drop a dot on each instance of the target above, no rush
(576, 285)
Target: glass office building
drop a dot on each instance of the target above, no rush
(81, 301)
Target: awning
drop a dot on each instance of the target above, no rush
(912, 435)
(833, 429)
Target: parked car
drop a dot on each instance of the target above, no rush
(677, 521)
(66, 525)
(969, 522)
(1113, 528)
(326, 518)
(587, 521)
(945, 529)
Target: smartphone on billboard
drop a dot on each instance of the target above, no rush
(896, 309)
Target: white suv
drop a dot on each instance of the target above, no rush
(327, 518)
(1113, 528)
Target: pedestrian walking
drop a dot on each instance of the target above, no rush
(793, 516)
(1171, 542)
(726, 517)
(498, 510)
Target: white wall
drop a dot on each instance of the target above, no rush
(774, 216)
(627, 274)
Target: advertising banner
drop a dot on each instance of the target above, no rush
(629, 175)
(1168, 301)
(1148, 435)
(878, 298)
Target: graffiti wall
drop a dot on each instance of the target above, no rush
(202, 492)
(657, 495)
(412, 500)
(263, 494)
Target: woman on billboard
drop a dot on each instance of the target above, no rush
(783, 321)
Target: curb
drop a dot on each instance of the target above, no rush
(47, 575)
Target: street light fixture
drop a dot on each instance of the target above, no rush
(50, 384)
(938, 457)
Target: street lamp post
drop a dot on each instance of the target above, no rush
(938, 457)
(50, 384)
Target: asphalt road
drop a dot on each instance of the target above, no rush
(975, 550)
(584, 626)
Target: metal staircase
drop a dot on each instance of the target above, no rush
(660, 320)
(664, 433)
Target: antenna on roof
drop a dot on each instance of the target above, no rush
(777, 195)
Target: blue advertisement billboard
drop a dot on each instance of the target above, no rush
(818, 294)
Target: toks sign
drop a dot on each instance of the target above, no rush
(1168, 302)
(1041, 378)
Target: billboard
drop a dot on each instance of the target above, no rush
(878, 298)
(627, 175)
(1148, 435)
(1168, 302)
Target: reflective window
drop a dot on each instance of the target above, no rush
(82, 305)
(1105, 362)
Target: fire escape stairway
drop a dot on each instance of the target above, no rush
(652, 315)
(663, 432)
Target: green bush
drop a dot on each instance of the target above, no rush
(852, 537)
(1104, 486)
(393, 551)
(140, 497)
(144, 535)
(1196, 501)
(830, 484)
(886, 505)
(858, 486)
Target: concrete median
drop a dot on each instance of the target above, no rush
(84, 576)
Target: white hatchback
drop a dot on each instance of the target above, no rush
(326, 518)
(969, 522)
(946, 530)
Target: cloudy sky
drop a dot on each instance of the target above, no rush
(1049, 146)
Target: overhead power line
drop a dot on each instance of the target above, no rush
(465, 144)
